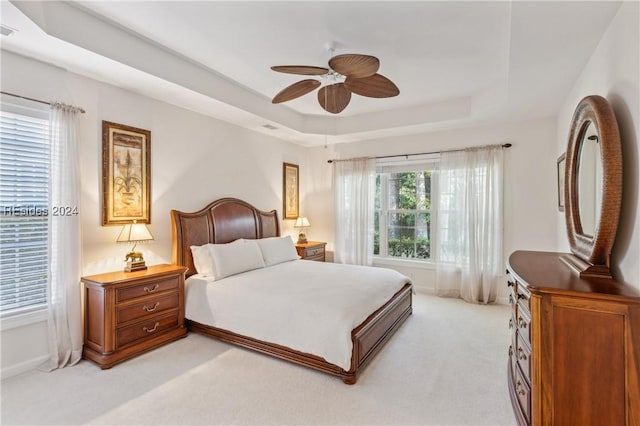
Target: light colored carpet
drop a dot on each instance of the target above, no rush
(446, 365)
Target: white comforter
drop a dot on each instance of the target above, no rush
(308, 306)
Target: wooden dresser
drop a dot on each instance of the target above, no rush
(312, 250)
(574, 356)
(127, 313)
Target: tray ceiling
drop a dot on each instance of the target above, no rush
(455, 63)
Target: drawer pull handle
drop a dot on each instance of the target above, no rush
(151, 330)
(520, 296)
(148, 309)
(521, 355)
(522, 323)
(511, 299)
(151, 290)
(520, 388)
(510, 350)
(510, 284)
(510, 323)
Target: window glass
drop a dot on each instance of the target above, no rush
(403, 215)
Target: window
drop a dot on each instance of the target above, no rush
(403, 221)
(24, 188)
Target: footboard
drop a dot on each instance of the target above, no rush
(370, 336)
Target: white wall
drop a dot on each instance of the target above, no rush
(194, 160)
(613, 71)
(530, 195)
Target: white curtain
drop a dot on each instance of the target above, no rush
(469, 210)
(65, 319)
(354, 183)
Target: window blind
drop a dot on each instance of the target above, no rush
(24, 188)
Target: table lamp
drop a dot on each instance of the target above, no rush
(134, 233)
(302, 222)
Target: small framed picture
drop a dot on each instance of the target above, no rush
(290, 191)
(560, 167)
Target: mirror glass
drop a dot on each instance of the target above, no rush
(589, 181)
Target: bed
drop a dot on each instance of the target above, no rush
(229, 219)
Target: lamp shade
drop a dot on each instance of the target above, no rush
(301, 222)
(134, 232)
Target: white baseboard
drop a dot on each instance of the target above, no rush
(22, 367)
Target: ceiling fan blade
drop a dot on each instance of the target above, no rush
(296, 90)
(300, 69)
(375, 86)
(355, 66)
(334, 98)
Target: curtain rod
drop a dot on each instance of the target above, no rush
(34, 100)
(506, 145)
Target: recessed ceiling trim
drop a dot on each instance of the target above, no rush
(6, 31)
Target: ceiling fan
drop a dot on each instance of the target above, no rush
(350, 73)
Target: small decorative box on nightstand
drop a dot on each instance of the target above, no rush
(127, 313)
(312, 250)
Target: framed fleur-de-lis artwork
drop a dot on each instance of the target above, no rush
(290, 191)
(126, 171)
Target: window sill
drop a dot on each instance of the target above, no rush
(21, 319)
(407, 263)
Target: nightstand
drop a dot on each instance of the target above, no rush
(128, 313)
(312, 250)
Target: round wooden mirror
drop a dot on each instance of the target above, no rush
(593, 190)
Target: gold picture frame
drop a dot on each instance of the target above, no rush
(290, 191)
(126, 173)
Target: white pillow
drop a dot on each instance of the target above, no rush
(277, 250)
(231, 259)
(202, 260)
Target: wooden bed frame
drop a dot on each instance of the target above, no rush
(228, 219)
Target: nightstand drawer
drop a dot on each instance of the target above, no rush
(319, 258)
(145, 329)
(148, 307)
(312, 250)
(146, 289)
(315, 251)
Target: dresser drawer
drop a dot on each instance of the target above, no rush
(146, 329)
(523, 356)
(523, 322)
(145, 289)
(522, 297)
(523, 393)
(148, 307)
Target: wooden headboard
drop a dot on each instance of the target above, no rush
(222, 221)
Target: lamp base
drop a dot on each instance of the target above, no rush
(134, 261)
(135, 266)
(302, 238)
